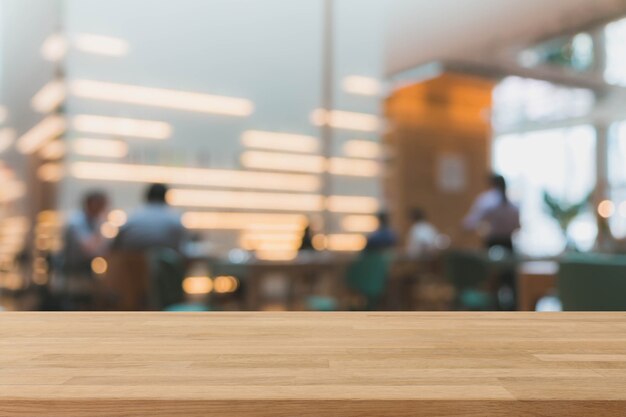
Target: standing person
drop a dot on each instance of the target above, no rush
(83, 240)
(494, 216)
(422, 240)
(384, 237)
(154, 226)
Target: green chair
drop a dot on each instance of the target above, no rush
(167, 272)
(469, 273)
(366, 276)
(594, 283)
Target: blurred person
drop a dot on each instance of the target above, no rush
(384, 237)
(155, 225)
(422, 240)
(306, 242)
(494, 216)
(83, 240)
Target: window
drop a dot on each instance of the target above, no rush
(559, 161)
(519, 101)
(615, 72)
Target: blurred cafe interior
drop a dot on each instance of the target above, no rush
(312, 155)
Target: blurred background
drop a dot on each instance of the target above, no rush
(312, 155)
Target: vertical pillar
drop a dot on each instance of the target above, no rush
(328, 86)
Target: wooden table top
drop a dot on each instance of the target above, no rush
(309, 364)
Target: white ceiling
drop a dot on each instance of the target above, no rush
(421, 31)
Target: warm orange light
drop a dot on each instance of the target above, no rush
(7, 137)
(365, 86)
(362, 224)
(197, 285)
(606, 209)
(279, 141)
(194, 176)
(99, 266)
(283, 162)
(53, 150)
(146, 129)
(54, 47)
(245, 200)
(362, 149)
(117, 218)
(159, 97)
(48, 129)
(352, 204)
(243, 221)
(51, 172)
(101, 45)
(109, 230)
(49, 98)
(273, 255)
(345, 242)
(346, 120)
(225, 284)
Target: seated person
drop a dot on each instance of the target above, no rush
(83, 240)
(422, 239)
(155, 225)
(384, 237)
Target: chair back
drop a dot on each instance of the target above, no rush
(368, 274)
(465, 269)
(167, 272)
(593, 284)
(127, 280)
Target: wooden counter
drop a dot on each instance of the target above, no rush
(300, 364)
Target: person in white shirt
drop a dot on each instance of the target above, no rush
(422, 240)
(494, 216)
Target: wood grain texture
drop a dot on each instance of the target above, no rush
(307, 364)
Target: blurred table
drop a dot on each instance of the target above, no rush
(312, 364)
(535, 280)
(303, 272)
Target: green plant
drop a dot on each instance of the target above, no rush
(564, 213)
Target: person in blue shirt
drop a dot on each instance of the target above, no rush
(384, 237)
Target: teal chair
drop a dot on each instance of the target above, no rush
(593, 283)
(469, 273)
(366, 277)
(167, 272)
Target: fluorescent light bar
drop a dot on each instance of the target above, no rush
(243, 221)
(146, 129)
(159, 97)
(48, 129)
(51, 172)
(346, 120)
(101, 45)
(103, 148)
(347, 243)
(352, 204)
(53, 150)
(7, 137)
(49, 98)
(280, 141)
(364, 86)
(245, 200)
(362, 224)
(354, 167)
(12, 191)
(54, 48)
(194, 176)
(283, 162)
(362, 149)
